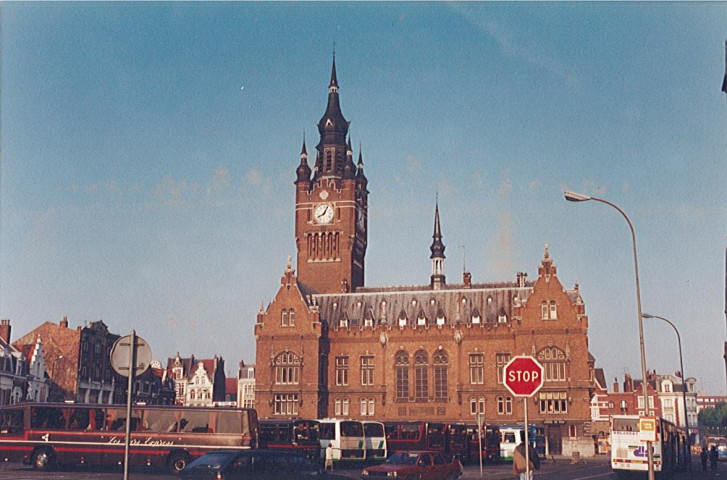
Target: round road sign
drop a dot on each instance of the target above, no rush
(120, 355)
(523, 376)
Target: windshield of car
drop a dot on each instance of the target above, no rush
(402, 458)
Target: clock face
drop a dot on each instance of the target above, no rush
(323, 213)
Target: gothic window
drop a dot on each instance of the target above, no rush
(553, 311)
(342, 371)
(291, 317)
(477, 368)
(287, 369)
(440, 375)
(284, 318)
(421, 375)
(367, 370)
(477, 405)
(341, 406)
(402, 375)
(544, 310)
(367, 407)
(501, 359)
(554, 364)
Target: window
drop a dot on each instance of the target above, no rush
(544, 310)
(367, 370)
(341, 406)
(477, 368)
(553, 311)
(572, 431)
(641, 402)
(548, 310)
(341, 371)
(553, 403)
(477, 405)
(504, 405)
(345, 407)
(287, 369)
(286, 404)
(421, 375)
(440, 375)
(367, 407)
(284, 318)
(501, 359)
(667, 387)
(291, 317)
(402, 375)
(554, 364)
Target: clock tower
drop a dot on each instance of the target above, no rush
(331, 203)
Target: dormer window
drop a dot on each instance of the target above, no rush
(402, 319)
(476, 319)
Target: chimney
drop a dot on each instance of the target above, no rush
(521, 279)
(5, 331)
(64, 322)
(615, 385)
(467, 279)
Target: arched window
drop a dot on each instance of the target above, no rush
(402, 375)
(554, 363)
(291, 317)
(287, 369)
(421, 375)
(284, 318)
(440, 375)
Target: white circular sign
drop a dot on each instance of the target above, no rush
(120, 356)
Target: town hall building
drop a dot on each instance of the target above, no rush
(330, 346)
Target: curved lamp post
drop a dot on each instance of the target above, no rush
(681, 365)
(579, 197)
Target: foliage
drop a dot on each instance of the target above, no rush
(714, 417)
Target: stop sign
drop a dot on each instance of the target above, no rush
(523, 376)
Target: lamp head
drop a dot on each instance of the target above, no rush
(576, 197)
(647, 315)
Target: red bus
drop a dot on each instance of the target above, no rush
(410, 436)
(490, 444)
(47, 434)
(291, 435)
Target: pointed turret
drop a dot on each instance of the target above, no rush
(333, 128)
(438, 279)
(303, 171)
(349, 169)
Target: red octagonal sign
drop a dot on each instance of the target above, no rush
(523, 376)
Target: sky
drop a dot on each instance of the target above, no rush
(148, 154)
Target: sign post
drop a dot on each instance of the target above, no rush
(480, 419)
(130, 356)
(524, 377)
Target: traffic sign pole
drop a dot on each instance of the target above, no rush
(130, 385)
(527, 439)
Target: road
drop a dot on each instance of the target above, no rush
(558, 469)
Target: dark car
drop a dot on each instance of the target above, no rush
(258, 464)
(415, 466)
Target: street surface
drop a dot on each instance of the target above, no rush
(559, 469)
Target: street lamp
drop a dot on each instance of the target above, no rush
(681, 365)
(579, 197)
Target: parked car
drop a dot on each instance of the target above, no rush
(415, 466)
(258, 464)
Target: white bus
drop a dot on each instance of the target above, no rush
(347, 439)
(510, 438)
(628, 453)
(375, 440)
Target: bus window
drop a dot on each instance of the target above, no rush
(50, 418)
(228, 422)
(158, 420)
(392, 432)
(351, 429)
(11, 421)
(328, 431)
(410, 432)
(79, 419)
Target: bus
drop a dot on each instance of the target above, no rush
(510, 438)
(347, 439)
(46, 435)
(629, 454)
(375, 437)
(296, 434)
(490, 444)
(409, 436)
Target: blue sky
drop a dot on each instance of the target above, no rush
(149, 150)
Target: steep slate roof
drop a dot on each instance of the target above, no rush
(454, 303)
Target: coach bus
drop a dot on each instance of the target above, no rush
(510, 438)
(629, 454)
(46, 434)
(409, 436)
(375, 441)
(346, 438)
(296, 434)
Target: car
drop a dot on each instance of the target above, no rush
(252, 464)
(423, 465)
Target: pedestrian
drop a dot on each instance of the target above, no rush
(713, 456)
(704, 456)
(519, 468)
(329, 457)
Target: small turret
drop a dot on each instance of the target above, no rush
(438, 279)
(303, 171)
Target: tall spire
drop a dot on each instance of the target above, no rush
(303, 171)
(438, 279)
(333, 128)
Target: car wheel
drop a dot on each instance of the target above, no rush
(177, 461)
(43, 459)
